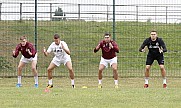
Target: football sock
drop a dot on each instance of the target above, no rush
(19, 79)
(116, 82)
(50, 82)
(36, 79)
(164, 80)
(72, 81)
(146, 80)
(100, 81)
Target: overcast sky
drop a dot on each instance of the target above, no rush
(119, 10)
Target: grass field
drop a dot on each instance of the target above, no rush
(130, 93)
(81, 38)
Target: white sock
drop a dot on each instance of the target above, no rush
(146, 80)
(19, 79)
(100, 81)
(116, 82)
(164, 80)
(72, 81)
(50, 82)
(36, 79)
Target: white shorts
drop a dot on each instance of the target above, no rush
(27, 60)
(106, 61)
(58, 61)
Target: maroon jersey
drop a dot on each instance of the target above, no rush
(107, 52)
(24, 49)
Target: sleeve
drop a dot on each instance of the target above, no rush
(50, 48)
(32, 49)
(17, 50)
(99, 46)
(115, 47)
(162, 44)
(143, 45)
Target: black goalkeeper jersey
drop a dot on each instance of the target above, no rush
(154, 46)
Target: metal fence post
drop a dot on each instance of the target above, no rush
(114, 24)
(166, 14)
(0, 11)
(107, 13)
(36, 24)
(50, 11)
(136, 13)
(78, 11)
(20, 12)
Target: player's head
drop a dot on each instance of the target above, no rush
(107, 37)
(23, 40)
(56, 38)
(153, 34)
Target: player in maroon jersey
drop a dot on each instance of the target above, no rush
(109, 50)
(28, 55)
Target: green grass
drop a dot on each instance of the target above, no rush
(130, 93)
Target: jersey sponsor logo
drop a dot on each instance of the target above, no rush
(154, 46)
(58, 49)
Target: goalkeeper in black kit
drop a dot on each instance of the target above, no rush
(156, 47)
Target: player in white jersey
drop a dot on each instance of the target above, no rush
(62, 56)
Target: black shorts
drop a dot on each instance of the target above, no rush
(159, 58)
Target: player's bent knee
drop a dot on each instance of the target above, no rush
(161, 66)
(114, 69)
(70, 70)
(147, 68)
(20, 68)
(49, 70)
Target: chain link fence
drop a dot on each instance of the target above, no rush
(82, 26)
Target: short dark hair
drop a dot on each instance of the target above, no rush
(56, 36)
(22, 37)
(153, 31)
(107, 33)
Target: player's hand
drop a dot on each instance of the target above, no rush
(110, 45)
(62, 46)
(143, 50)
(28, 50)
(44, 49)
(160, 50)
(13, 52)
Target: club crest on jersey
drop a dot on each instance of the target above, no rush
(157, 44)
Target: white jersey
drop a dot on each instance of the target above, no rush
(58, 51)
